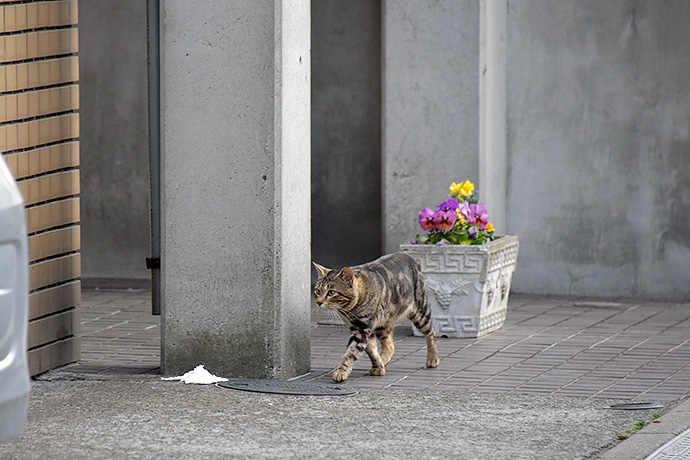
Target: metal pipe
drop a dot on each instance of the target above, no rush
(153, 46)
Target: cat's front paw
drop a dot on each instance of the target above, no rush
(377, 371)
(340, 375)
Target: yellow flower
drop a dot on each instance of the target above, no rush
(464, 188)
(489, 228)
(461, 218)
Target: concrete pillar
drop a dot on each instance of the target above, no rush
(493, 160)
(442, 107)
(235, 264)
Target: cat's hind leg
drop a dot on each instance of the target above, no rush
(432, 359)
(421, 318)
(385, 335)
(378, 366)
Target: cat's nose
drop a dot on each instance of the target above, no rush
(319, 303)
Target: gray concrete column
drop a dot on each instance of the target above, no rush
(235, 266)
(442, 107)
(493, 160)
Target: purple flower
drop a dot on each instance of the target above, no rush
(482, 216)
(444, 220)
(475, 214)
(466, 211)
(472, 232)
(448, 205)
(426, 219)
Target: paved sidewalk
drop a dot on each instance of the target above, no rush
(549, 346)
(119, 333)
(612, 351)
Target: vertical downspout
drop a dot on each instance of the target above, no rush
(153, 45)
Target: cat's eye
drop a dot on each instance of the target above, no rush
(330, 293)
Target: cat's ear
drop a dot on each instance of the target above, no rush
(323, 271)
(347, 274)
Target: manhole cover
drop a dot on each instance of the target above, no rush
(637, 406)
(284, 387)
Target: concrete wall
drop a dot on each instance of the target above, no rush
(114, 139)
(431, 107)
(598, 156)
(599, 146)
(346, 131)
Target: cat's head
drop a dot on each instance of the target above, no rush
(335, 290)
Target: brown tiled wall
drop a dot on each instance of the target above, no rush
(39, 138)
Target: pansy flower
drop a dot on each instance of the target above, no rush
(444, 220)
(448, 205)
(482, 216)
(463, 188)
(466, 212)
(426, 219)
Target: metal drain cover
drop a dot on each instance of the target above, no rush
(599, 304)
(637, 406)
(285, 387)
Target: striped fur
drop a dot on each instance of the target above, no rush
(370, 298)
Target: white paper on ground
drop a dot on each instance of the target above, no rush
(198, 375)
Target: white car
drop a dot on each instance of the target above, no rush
(14, 304)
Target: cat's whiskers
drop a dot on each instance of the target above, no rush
(336, 317)
(345, 315)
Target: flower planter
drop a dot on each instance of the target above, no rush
(467, 286)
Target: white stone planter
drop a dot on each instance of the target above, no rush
(468, 286)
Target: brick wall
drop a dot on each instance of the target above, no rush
(39, 131)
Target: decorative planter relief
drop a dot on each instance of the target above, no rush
(467, 286)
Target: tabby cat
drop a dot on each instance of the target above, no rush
(370, 297)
